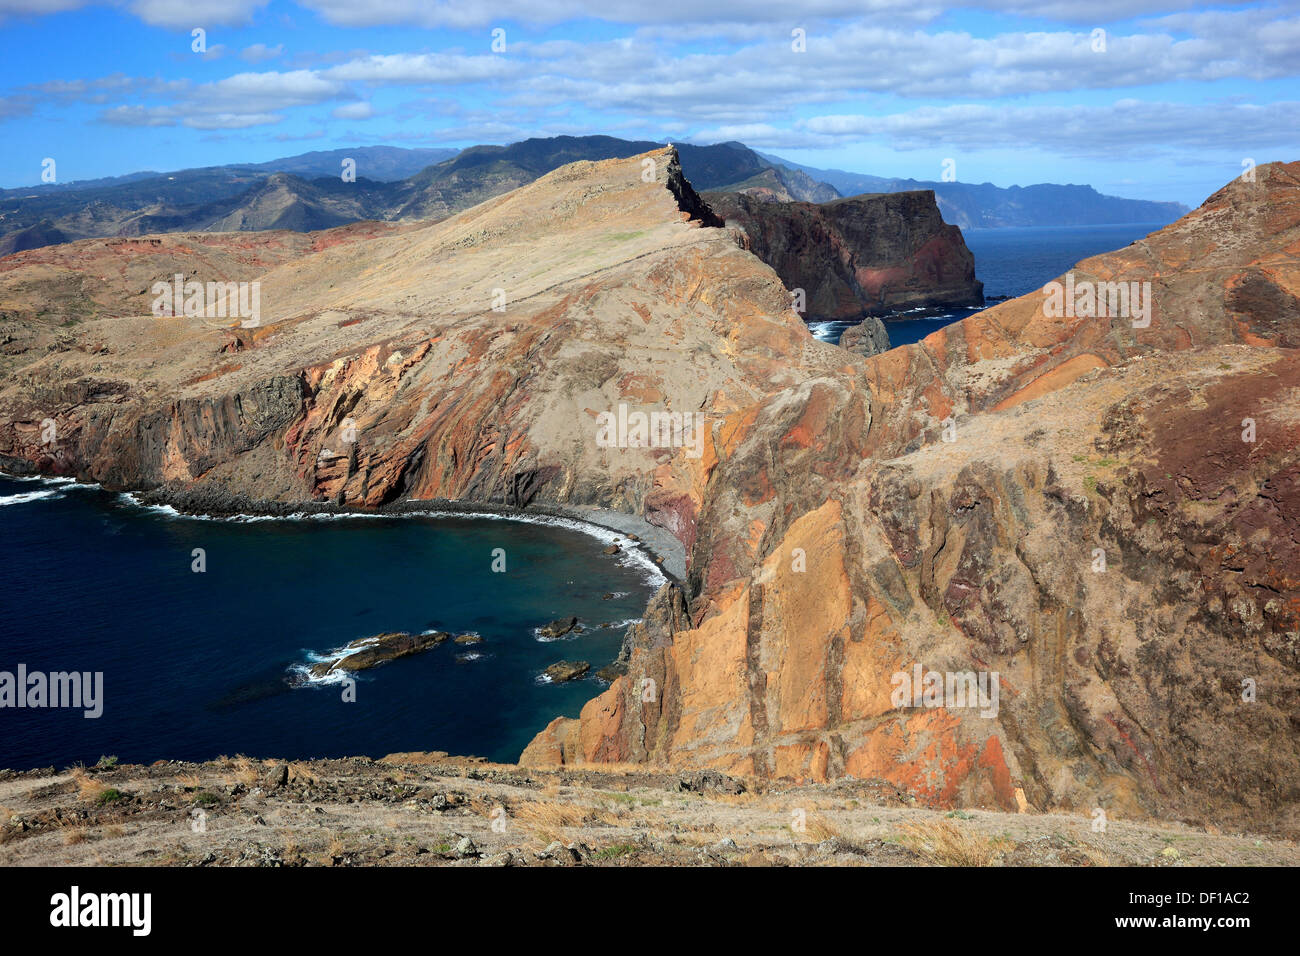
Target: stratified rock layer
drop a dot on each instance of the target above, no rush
(1065, 502)
(469, 359)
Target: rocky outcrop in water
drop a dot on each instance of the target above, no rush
(563, 671)
(558, 627)
(370, 652)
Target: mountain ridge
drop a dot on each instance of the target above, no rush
(233, 196)
(984, 205)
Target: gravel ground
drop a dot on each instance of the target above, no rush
(434, 810)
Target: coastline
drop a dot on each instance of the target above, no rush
(599, 527)
(661, 549)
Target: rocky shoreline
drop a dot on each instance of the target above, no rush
(210, 501)
(216, 502)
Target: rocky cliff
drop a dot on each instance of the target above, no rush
(468, 359)
(865, 255)
(1065, 507)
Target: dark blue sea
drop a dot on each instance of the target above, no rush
(1011, 263)
(197, 665)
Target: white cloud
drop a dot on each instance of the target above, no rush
(231, 120)
(419, 68)
(136, 115)
(14, 106)
(260, 52)
(736, 15)
(1127, 128)
(24, 8)
(458, 14)
(353, 111)
(261, 92)
(751, 86)
(675, 19)
(187, 14)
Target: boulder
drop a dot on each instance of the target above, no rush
(559, 627)
(562, 671)
(611, 672)
(371, 651)
(869, 337)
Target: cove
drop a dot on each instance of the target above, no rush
(197, 665)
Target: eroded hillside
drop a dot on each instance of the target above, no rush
(1096, 532)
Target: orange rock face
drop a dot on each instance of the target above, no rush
(1096, 534)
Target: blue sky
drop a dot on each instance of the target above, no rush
(1155, 99)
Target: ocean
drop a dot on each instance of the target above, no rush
(1011, 263)
(201, 664)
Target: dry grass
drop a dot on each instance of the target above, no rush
(549, 815)
(945, 844)
(247, 772)
(1096, 856)
(548, 820)
(482, 805)
(74, 835)
(301, 773)
(818, 829)
(88, 788)
(655, 824)
(189, 781)
(733, 799)
(551, 791)
(697, 837)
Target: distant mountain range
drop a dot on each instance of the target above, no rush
(307, 192)
(983, 205)
(271, 195)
